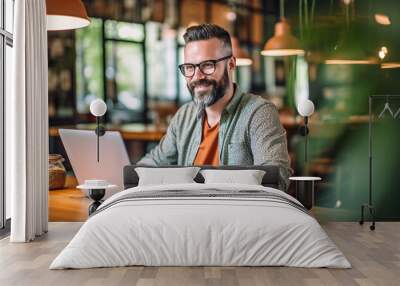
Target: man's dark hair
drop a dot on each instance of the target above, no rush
(206, 32)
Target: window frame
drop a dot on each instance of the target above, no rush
(6, 39)
(104, 41)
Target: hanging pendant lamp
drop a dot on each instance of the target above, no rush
(283, 43)
(352, 48)
(66, 15)
(390, 65)
(344, 55)
(242, 58)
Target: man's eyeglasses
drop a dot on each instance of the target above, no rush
(207, 67)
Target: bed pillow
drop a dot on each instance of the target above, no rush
(166, 176)
(248, 177)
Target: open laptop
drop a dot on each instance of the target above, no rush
(81, 147)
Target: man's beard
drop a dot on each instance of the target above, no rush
(208, 98)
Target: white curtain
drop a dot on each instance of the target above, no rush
(27, 124)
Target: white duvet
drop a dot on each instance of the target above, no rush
(200, 231)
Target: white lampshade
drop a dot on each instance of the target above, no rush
(283, 43)
(305, 107)
(98, 107)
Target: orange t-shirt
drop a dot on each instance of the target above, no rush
(208, 150)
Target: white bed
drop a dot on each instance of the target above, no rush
(269, 228)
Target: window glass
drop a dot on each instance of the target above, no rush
(9, 13)
(301, 89)
(7, 82)
(244, 78)
(1, 14)
(181, 32)
(89, 68)
(184, 92)
(2, 137)
(161, 61)
(125, 81)
(124, 31)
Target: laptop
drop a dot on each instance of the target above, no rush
(81, 148)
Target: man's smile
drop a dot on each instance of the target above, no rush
(202, 87)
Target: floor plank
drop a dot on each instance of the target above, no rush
(375, 257)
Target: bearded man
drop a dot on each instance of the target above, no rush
(222, 125)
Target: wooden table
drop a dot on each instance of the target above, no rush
(152, 132)
(68, 204)
(132, 131)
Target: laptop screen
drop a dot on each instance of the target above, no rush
(81, 148)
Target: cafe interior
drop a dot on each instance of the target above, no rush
(342, 55)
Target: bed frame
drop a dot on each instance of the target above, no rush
(270, 179)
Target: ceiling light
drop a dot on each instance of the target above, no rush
(283, 43)
(382, 19)
(66, 15)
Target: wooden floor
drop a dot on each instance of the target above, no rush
(375, 257)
